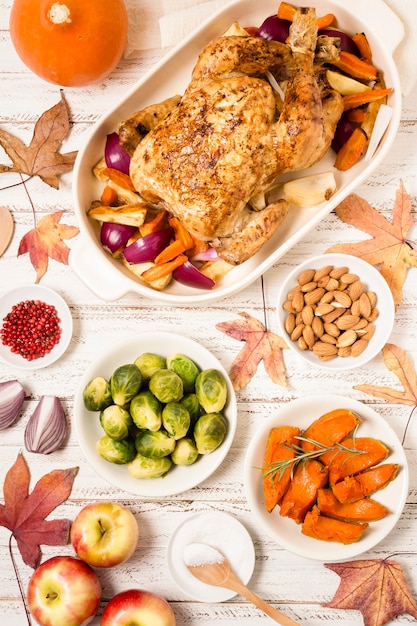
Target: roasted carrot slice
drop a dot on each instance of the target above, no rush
(159, 271)
(171, 251)
(118, 177)
(363, 510)
(355, 67)
(363, 46)
(286, 11)
(109, 196)
(155, 224)
(181, 233)
(301, 494)
(359, 454)
(325, 20)
(365, 484)
(330, 428)
(277, 449)
(358, 99)
(351, 150)
(198, 246)
(355, 115)
(328, 529)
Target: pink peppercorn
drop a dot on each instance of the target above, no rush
(31, 329)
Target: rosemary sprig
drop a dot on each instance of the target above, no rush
(279, 467)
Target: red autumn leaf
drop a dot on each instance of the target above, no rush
(260, 345)
(388, 246)
(24, 513)
(46, 241)
(377, 588)
(41, 158)
(398, 362)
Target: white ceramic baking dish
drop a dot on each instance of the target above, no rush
(106, 277)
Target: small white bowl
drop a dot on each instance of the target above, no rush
(48, 296)
(285, 531)
(89, 431)
(373, 281)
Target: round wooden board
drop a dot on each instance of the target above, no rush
(6, 228)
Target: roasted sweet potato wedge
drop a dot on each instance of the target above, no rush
(328, 529)
(330, 428)
(354, 488)
(277, 449)
(300, 496)
(359, 454)
(363, 510)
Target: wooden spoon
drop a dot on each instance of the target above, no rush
(6, 228)
(211, 567)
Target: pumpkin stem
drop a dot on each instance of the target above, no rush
(59, 14)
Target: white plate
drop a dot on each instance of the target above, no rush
(285, 531)
(89, 431)
(373, 281)
(37, 292)
(105, 276)
(221, 531)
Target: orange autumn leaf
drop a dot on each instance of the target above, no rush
(42, 157)
(24, 513)
(398, 362)
(388, 246)
(46, 241)
(377, 588)
(260, 345)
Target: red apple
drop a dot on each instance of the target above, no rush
(63, 591)
(104, 534)
(137, 607)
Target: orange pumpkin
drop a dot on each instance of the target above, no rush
(69, 42)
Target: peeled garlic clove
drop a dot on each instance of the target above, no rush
(12, 395)
(47, 427)
(311, 190)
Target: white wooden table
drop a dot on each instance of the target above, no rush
(295, 585)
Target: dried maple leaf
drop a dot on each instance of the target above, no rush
(24, 513)
(46, 241)
(260, 345)
(388, 246)
(398, 362)
(377, 588)
(41, 158)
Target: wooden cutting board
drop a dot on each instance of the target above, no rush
(6, 228)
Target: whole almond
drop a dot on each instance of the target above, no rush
(298, 302)
(332, 329)
(325, 338)
(355, 308)
(365, 306)
(337, 272)
(306, 276)
(323, 271)
(327, 298)
(374, 314)
(345, 351)
(293, 291)
(324, 349)
(356, 289)
(363, 323)
(372, 297)
(346, 322)
(348, 278)
(312, 297)
(297, 332)
(370, 330)
(333, 315)
(323, 281)
(347, 338)
(302, 344)
(358, 347)
(307, 315)
(310, 286)
(287, 306)
(290, 323)
(309, 336)
(332, 284)
(317, 326)
(343, 298)
(324, 309)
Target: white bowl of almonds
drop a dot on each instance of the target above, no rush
(335, 311)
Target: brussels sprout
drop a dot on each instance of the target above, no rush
(167, 386)
(209, 432)
(175, 419)
(154, 444)
(146, 411)
(211, 390)
(116, 422)
(145, 467)
(118, 452)
(149, 363)
(185, 368)
(190, 401)
(185, 452)
(97, 394)
(125, 383)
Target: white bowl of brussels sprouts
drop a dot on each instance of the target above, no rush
(155, 414)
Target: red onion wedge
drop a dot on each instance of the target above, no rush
(207, 255)
(113, 237)
(274, 28)
(148, 247)
(12, 395)
(114, 155)
(47, 427)
(188, 274)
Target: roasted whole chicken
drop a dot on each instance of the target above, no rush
(205, 155)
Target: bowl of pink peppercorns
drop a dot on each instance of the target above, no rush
(35, 327)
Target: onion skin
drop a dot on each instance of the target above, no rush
(274, 28)
(113, 237)
(12, 396)
(114, 155)
(148, 247)
(47, 427)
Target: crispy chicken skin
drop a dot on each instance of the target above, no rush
(226, 141)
